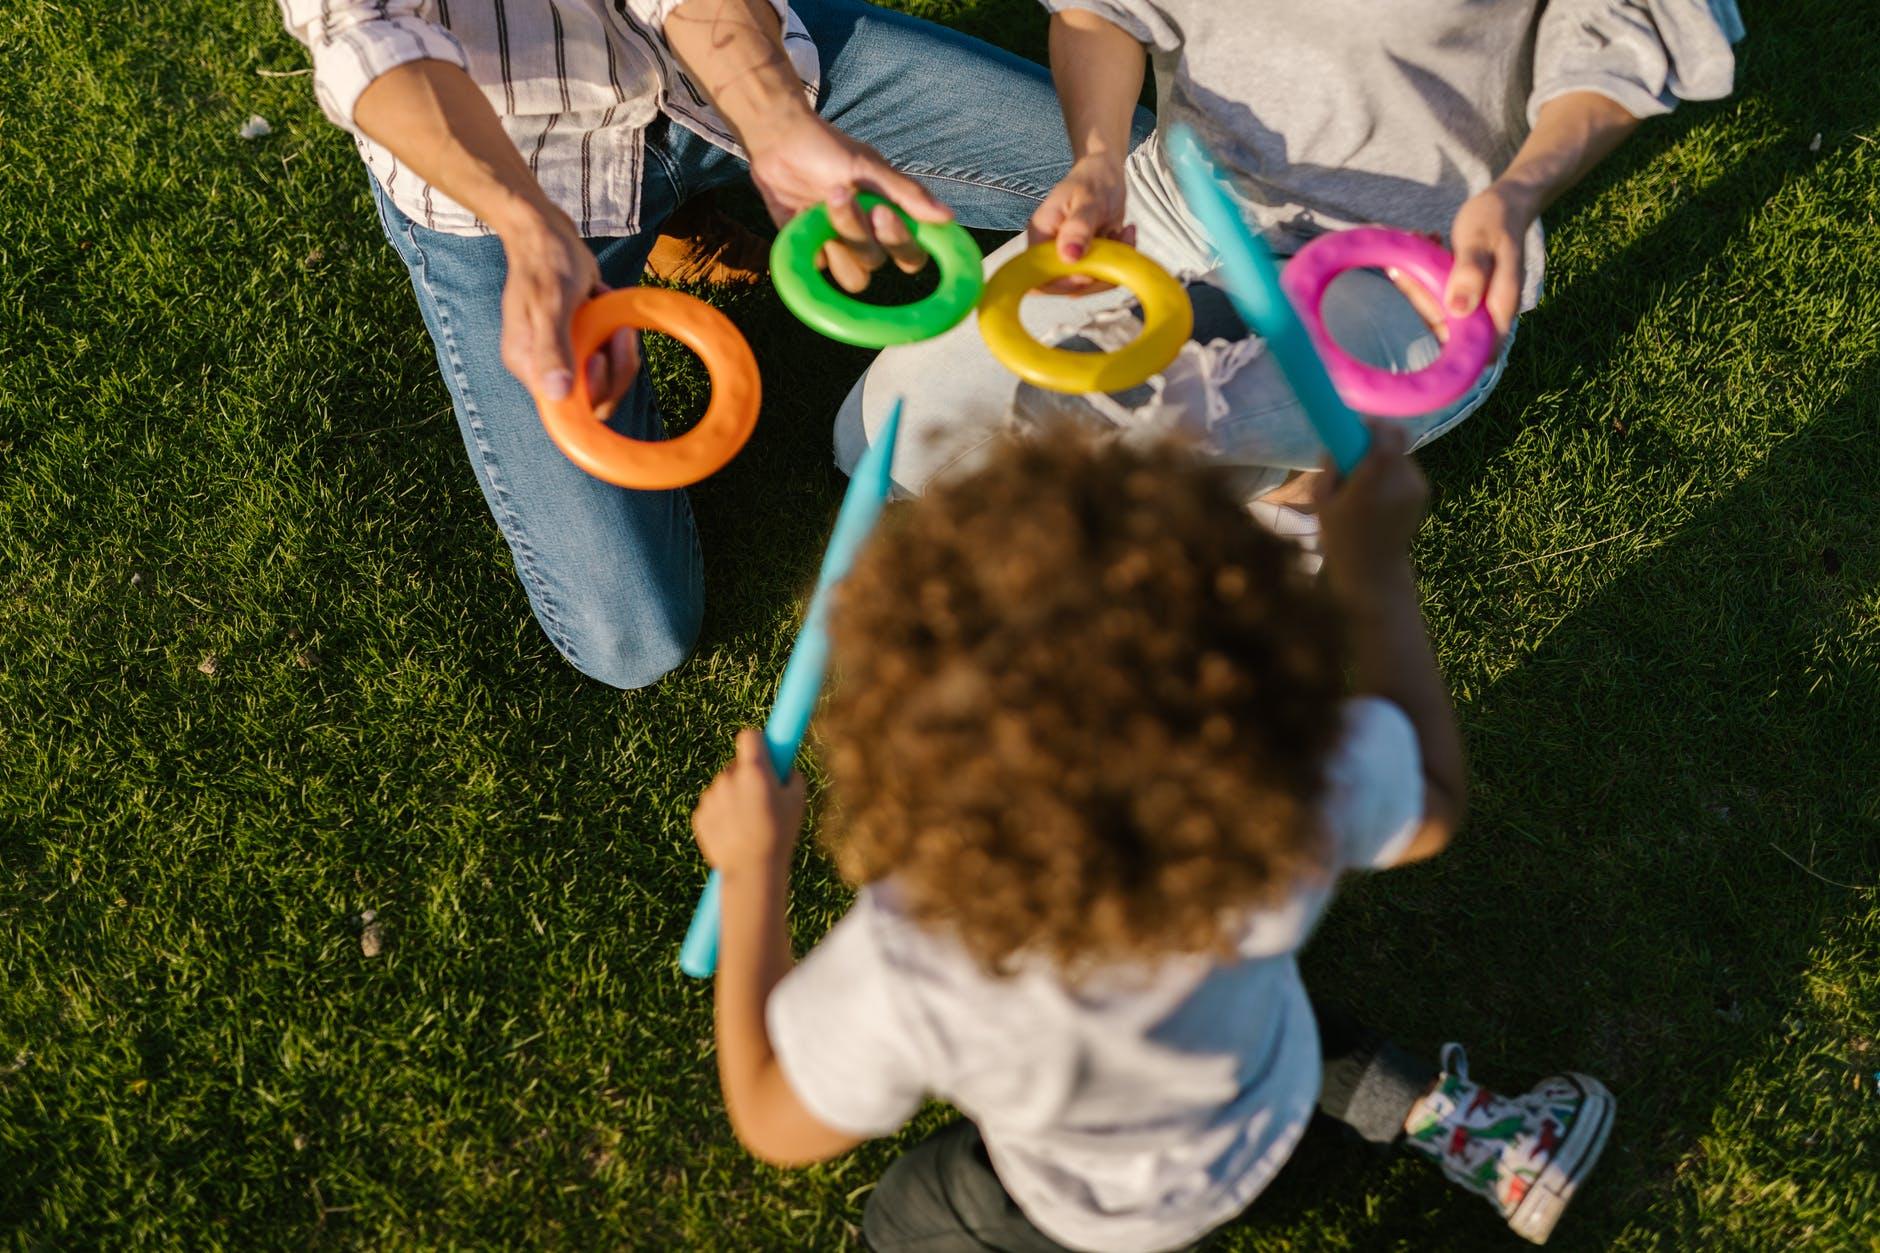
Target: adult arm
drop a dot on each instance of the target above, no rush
(746, 826)
(436, 121)
(733, 50)
(1368, 521)
(1572, 134)
(1097, 67)
(1600, 67)
(382, 70)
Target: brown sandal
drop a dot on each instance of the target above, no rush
(700, 245)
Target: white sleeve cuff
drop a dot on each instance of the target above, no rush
(837, 1037)
(1144, 22)
(1374, 785)
(1627, 93)
(800, 1042)
(655, 12)
(1644, 55)
(349, 56)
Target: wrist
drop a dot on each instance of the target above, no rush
(762, 869)
(1096, 156)
(1363, 585)
(526, 218)
(765, 105)
(1522, 193)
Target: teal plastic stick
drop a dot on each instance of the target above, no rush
(803, 673)
(1253, 286)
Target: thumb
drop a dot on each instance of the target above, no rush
(752, 751)
(1388, 439)
(1076, 231)
(1045, 221)
(1468, 279)
(904, 191)
(1387, 447)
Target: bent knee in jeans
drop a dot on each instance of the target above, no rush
(954, 407)
(1225, 394)
(614, 644)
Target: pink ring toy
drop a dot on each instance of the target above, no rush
(1367, 388)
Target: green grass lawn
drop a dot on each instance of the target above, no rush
(1652, 570)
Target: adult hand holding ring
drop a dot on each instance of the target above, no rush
(806, 293)
(1167, 319)
(1468, 347)
(651, 465)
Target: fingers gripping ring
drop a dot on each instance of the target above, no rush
(1167, 319)
(652, 465)
(807, 294)
(1366, 388)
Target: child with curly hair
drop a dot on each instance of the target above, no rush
(1100, 752)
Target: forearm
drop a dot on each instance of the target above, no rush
(1572, 134)
(1392, 659)
(437, 122)
(1098, 69)
(733, 50)
(753, 956)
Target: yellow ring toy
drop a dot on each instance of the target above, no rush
(1167, 319)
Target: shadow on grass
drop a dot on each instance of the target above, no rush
(1659, 958)
(1586, 317)
(1643, 924)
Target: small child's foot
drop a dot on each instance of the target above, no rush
(1527, 1154)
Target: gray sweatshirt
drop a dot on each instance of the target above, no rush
(1336, 113)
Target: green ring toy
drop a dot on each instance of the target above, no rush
(822, 307)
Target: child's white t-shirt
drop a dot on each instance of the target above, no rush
(1135, 1113)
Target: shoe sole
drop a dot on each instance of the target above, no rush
(1534, 1218)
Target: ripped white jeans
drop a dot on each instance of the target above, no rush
(1223, 392)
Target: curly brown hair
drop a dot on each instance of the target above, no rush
(1084, 709)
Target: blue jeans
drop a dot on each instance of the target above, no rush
(615, 576)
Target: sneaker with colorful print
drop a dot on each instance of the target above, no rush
(1527, 1154)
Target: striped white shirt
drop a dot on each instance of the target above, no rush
(574, 82)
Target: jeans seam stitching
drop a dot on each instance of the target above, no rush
(672, 174)
(967, 180)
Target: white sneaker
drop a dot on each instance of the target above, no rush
(1528, 1154)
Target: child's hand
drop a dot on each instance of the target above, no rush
(746, 820)
(1367, 520)
(1087, 205)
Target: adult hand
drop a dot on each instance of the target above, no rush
(436, 120)
(746, 820)
(1489, 240)
(801, 160)
(1428, 304)
(1087, 205)
(551, 273)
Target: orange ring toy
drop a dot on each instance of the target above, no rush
(657, 465)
